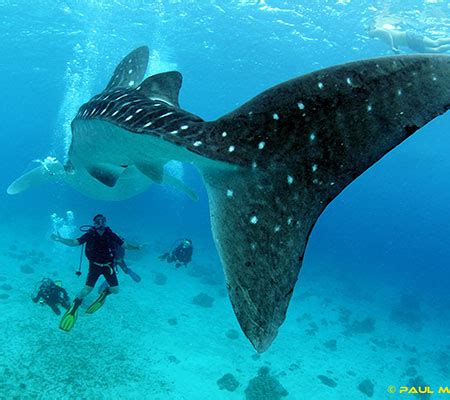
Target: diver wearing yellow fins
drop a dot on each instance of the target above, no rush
(101, 244)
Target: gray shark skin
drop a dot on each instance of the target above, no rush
(270, 167)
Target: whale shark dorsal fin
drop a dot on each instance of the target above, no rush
(165, 86)
(131, 70)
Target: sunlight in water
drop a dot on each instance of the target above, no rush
(78, 78)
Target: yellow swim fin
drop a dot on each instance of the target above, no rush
(68, 320)
(97, 304)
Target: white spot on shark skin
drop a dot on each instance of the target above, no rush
(289, 221)
(197, 143)
(139, 87)
(165, 115)
(103, 111)
(254, 165)
(399, 92)
(93, 111)
(130, 71)
(128, 118)
(174, 132)
(290, 179)
(277, 228)
(434, 78)
(349, 81)
(261, 145)
(114, 113)
(184, 127)
(231, 149)
(147, 124)
(138, 111)
(276, 117)
(131, 83)
(253, 246)
(369, 107)
(332, 183)
(121, 97)
(314, 168)
(230, 193)
(301, 106)
(320, 85)
(312, 136)
(224, 134)
(254, 220)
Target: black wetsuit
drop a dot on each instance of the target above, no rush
(180, 255)
(52, 295)
(100, 251)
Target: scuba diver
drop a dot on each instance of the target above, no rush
(53, 294)
(100, 242)
(180, 253)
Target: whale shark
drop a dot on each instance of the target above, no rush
(270, 167)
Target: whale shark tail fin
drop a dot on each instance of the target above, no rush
(291, 150)
(49, 170)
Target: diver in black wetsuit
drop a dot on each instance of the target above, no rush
(52, 294)
(101, 243)
(181, 254)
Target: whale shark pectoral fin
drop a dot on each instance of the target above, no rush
(131, 70)
(260, 227)
(165, 86)
(180, 185)
(108, 174)
(154, 171)
(50, 170)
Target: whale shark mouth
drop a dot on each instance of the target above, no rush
(270, 167)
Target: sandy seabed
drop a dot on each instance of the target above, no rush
(341, 340)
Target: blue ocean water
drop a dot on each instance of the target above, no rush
(379, 250)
